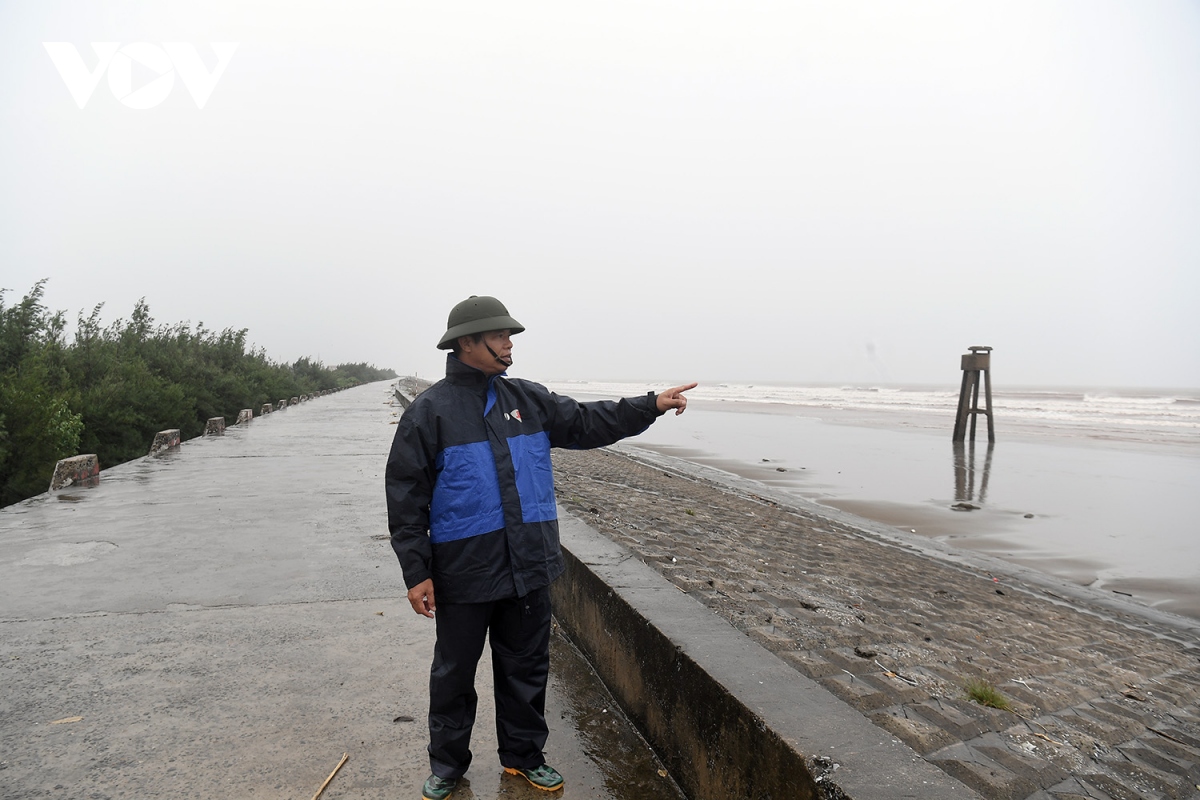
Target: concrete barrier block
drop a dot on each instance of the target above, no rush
(245, 415)
(294, 402)
(281, 405)
(215, 427)
(79, 470)
(267, 408)
(164, 440)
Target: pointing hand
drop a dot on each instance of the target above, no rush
(674, 398)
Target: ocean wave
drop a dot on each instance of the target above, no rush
(1127, 400)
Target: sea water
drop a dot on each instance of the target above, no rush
(1095, 486)
(1135, 415)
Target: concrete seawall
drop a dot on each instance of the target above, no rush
(726, 715)
(86, 468)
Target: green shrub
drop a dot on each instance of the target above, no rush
(114, 387)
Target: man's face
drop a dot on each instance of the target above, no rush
(477, 355)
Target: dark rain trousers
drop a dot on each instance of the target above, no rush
(518, 629)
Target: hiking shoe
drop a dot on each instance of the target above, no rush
(543, 777)
(438, 788)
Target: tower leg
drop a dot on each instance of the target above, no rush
(987, 391)
(960, 420)
(974, 402)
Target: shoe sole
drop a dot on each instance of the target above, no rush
(512, 771)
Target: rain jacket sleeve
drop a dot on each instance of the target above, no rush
(581, 426)
(409, 483)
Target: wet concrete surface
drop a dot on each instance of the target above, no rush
(227, 619)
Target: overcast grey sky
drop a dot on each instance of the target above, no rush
(794, 192)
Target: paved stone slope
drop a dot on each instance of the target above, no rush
(1103, 704)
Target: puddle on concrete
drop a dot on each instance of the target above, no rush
(592, 743)
(628, 766)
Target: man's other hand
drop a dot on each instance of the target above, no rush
(673, 398)
(421, 598)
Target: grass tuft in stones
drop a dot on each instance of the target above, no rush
(982, 692)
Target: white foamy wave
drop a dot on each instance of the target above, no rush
(1122, 401)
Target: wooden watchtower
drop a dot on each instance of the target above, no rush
(979, 360)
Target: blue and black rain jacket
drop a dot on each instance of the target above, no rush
(470, 489)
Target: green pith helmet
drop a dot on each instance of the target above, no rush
(477, 315)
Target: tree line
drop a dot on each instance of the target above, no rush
(113, 387)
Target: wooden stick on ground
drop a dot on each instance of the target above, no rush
(345, 758)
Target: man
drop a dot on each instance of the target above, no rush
(470, 497)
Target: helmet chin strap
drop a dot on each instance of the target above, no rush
(498, 358)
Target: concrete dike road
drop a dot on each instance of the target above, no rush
(226, 620)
